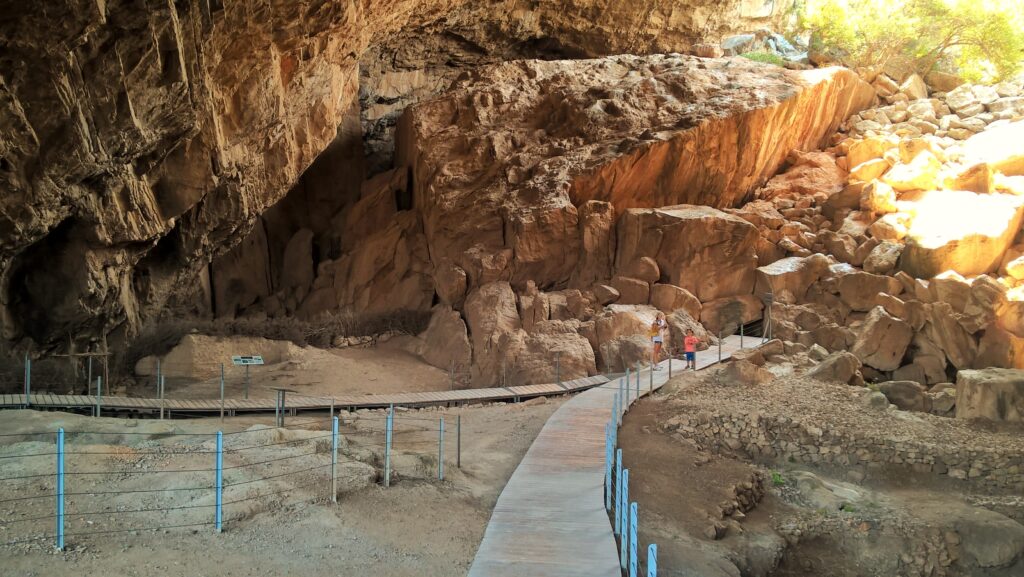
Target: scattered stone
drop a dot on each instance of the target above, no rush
(882, 341)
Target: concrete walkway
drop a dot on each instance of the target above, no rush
(549, 520)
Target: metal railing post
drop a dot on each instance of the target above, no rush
(624, 518)
(220, 481)
(632, 539)
(60, 489)
(222, 392)
(159, 375)
(618, 491)
(440, 449)
(389, 423)
(99, 395)
(608, 452)
(637, 381)
(246, 381)
(652, 560)
(458, 441)
(334, 459)
(162, 387)
(28, 381)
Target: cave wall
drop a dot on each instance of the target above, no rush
(141, 140)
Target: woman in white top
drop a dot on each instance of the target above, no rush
(658, 329)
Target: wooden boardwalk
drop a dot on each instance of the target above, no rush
(550, 520)
(296, 402)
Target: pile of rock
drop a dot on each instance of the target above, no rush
(901, 244)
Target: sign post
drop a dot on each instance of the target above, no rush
(246, 361)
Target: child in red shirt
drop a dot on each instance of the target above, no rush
(690, 349)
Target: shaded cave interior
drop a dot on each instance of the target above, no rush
(409, 68)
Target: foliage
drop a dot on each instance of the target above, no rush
(777, 479)
(979, 40)
(766, 57)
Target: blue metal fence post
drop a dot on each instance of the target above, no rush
(99, 395)
(28, 381)
(618, 490)
(220, 480)
(440, 450)
(652, 560)
(60, 489)
(608, 451)
(334, 460)
(624, 529)
(388, 424)
(632, 539)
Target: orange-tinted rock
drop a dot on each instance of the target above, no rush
(631, 291)
(668, 298)
(809, 173)
(703, 250)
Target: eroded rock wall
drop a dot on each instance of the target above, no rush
(141, 140)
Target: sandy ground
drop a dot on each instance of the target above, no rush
(283, 526)
(811, 521)
(317, 372)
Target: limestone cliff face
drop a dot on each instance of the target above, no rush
(139, 140)
(502, 161)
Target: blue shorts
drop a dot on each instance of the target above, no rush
(690, 356)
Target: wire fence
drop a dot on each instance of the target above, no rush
(76, 484)
(623, 513)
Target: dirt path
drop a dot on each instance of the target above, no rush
(418, 527)
(317, 372)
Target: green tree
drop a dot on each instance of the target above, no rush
(977, 39)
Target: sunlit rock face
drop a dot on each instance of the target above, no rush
(961, 231)
(500, 163)
(138, 140)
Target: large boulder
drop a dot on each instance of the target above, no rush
(996, 394)
(999, 348)
(1002, 148)
(788, 279)
(943, 328)
(906, 395)
(725, 315)
(883, 340)
(625, 352)
(554, 350)
(667, 298)
(706, 251)
(961, 231)
(632, 291)
(492, 316)
(860, 289)
(883, 258)
(808, 173)
(920, 173)
(445, 343)
(839, 367)
(678, 323)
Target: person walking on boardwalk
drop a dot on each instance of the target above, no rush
(658, 329)
(690, 349)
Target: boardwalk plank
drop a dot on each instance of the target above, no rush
(550, 518)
